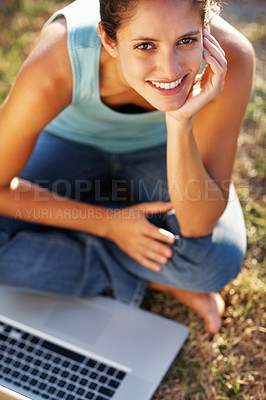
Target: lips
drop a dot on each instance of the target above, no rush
(167, 85)
(168, 88)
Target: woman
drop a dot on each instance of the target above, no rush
(128, 108)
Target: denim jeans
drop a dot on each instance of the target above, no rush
(40, 258)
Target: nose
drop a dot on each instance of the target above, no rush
(169, 63)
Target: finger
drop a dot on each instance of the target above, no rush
(213, 40)
(162, 251)
(217, 69)
(149, 264)
(215, 52)
(157, 257)
(159, 233)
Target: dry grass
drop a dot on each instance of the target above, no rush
(230, 364)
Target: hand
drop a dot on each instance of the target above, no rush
(140, 239)
(207, 85)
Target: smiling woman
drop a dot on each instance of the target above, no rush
(113, 103)
(159, 61)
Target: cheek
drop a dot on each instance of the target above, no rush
(197, 59)
(136, 70)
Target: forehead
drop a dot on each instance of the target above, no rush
(151, 17)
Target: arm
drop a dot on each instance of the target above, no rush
(201, 154)
(32, 103)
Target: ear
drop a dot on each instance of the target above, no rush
(108, 44)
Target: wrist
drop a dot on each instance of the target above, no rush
(108, 225)
(175, 124)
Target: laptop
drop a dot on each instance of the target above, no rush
(93, 348)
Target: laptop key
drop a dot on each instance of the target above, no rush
(3, 337)
(84, 371)
(107, 392)
(64, 374)
(33, 382)
(120, 375)
(74, 378)
(103, 379)
(42, 386)
(93, 375)
(83, 382)
(63, 351)
(61, 383)
(92, 385)
(91, 363)
(15, 374)
(114, 384)
(66, 364)
(110, 371)
(75, 367)
(71, 387)
(101, 367)
(70, 397)
(52, 379)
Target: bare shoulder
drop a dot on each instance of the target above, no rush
(50, 55)
(42, 89)
(237, 47)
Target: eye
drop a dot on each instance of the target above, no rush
(144, 46)
(187, 40)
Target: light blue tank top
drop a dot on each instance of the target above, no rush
(87, 119)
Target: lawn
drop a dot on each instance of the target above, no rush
(228, 365)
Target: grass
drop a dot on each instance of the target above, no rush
(230, 364)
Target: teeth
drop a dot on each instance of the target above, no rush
(166, 86)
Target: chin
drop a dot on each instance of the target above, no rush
(166, 106)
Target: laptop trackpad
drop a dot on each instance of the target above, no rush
(83, 322)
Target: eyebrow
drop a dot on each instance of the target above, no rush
(148, 39)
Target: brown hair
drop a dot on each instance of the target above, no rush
(115, 13)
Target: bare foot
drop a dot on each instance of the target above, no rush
(210, 306)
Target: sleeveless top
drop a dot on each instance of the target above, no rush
(87, 119)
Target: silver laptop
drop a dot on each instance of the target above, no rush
(77, 349)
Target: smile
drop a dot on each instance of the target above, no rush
(168, 85)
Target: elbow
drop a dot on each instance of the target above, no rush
(197, 227)
(201, 224)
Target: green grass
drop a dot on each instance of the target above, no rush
(228, 365)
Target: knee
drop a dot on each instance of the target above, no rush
(227, 256)
(205, 264)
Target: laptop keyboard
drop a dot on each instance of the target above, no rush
(53, 372)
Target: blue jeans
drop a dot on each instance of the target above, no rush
(65, 262)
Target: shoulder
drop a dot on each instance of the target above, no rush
(49, 58)
(240, 65)
(238, 49)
